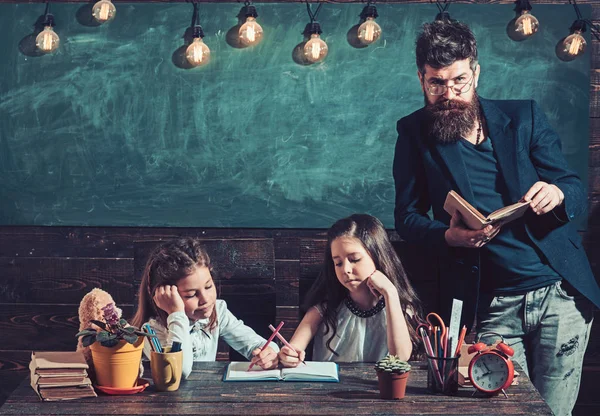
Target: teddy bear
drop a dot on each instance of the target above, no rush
(91, 308)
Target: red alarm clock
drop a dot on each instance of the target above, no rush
(491, 370)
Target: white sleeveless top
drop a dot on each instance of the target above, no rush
(357, 339)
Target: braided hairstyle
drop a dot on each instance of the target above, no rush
(168, 263)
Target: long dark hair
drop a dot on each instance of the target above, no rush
(167, 264)
(329, 293)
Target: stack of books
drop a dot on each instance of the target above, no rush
(60, 375)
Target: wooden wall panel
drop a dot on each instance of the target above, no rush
(287, 282)
(230, 258)
(41, 326)
(46, 279)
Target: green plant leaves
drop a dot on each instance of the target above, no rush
(110, 342)
(99, 324)
(110, 335)
(103, 336)
(88, 340)
(392, 364)
(132, 339)
(107, 339)
(144, 334)
(86, 332)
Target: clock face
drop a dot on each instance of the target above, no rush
(489, 372)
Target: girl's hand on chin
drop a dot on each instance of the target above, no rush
(168, 299)
(379, 284)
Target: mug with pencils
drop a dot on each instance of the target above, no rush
(167, 368)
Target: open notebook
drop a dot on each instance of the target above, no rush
(312, 371)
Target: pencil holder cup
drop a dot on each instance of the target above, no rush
(442, 375)
(166, 369)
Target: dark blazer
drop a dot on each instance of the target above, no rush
(527, 150)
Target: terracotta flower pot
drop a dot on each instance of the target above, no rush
(118, 366)
(392, 386)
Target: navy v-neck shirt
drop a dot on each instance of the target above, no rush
(510, 263)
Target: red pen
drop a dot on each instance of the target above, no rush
(268, 342)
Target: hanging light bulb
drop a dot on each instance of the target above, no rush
(573, 45)
(197, 53)
(103, 11)
(369, 31)
(315, 50)
(524, 26)
(250, 32)
(47, 40)
(527, 24)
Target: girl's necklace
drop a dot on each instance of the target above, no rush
(353, 307)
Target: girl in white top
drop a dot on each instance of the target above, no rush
(359, 303)
(178, 298)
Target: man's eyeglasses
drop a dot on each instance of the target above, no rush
(439, 87)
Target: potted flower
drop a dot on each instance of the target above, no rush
(116, 349)
(392, 373)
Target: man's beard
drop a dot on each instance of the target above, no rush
(449, 120)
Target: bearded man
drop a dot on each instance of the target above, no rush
(528, 280)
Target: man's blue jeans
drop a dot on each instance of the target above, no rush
(548, 330)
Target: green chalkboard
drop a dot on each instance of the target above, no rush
(112, 131)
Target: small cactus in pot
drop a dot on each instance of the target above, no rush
(392, 373)
(392, 364)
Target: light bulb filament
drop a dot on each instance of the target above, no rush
(104, 11)
(527, 29)
(251, 33)
(369, 32)
(315, 50)
(197, 54)
(575, 45)
(47, 42)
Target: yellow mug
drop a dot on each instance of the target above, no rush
(166, 369)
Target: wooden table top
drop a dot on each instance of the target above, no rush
(204, 392)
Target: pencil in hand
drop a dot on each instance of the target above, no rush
(287, 344)
(268, 342)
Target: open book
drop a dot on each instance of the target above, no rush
(475, 219)
(312, 371)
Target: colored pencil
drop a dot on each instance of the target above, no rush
(268, 342)
(287, 344)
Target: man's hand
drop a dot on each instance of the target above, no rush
(460, 236)
(544, 197)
